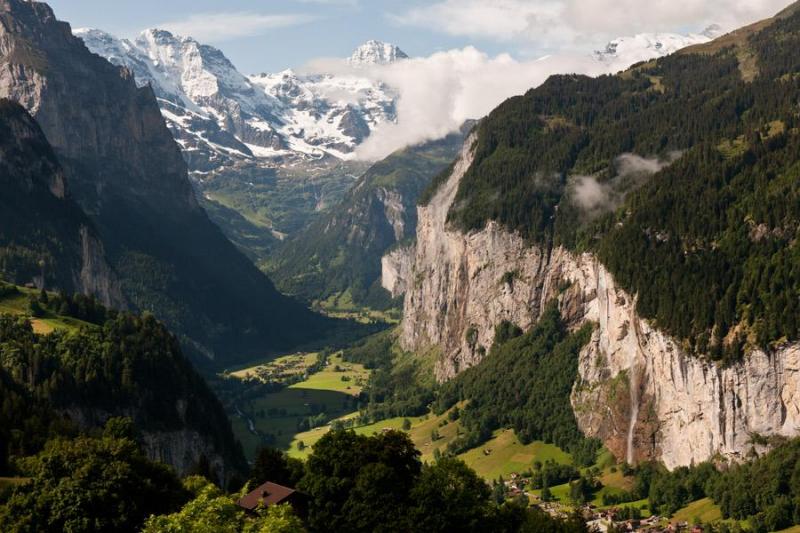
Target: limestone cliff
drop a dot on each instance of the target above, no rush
(180, 448)
(637, 390)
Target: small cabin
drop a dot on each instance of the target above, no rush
(270, 494)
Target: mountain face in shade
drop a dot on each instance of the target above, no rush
(128, 174)
(45, 238)
(341, 251)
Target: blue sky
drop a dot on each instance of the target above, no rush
(270, 35)
(322, 29)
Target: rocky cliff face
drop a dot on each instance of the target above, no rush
(637, 389)
(45, 238)
(179, 448)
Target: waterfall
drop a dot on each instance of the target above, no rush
(634, 391)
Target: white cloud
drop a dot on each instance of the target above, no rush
(632, 171)
(217, 27)
(558, 23)
(437, 94)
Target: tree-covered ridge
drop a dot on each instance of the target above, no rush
(759, 495)
(127, 365)
(524, 383)
(89, 484)
(708, 242)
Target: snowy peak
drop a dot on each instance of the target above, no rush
(646, 46)
(221, 117)
(376, 53)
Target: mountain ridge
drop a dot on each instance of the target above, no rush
(659, 204)
(128, 174)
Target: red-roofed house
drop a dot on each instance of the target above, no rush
(272, 494)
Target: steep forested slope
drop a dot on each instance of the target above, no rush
(681, 173)
(342, 250)
(127, 173)
(115, 364)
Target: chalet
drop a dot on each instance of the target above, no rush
(270, 494)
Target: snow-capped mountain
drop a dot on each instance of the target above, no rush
(627, 51)
(376, 53)
(220, 116)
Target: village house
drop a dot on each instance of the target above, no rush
(270, 494)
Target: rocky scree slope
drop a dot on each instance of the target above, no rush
(659, 204)
(127, 173)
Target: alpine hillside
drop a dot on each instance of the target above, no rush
(127, 173)
(339, 254)
(270, 152)
(660, 205)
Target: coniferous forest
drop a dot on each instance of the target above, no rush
(708, 242)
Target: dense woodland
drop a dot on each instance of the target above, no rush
(103, 482)
(709, 243)
(398, 384)
(116, 364)
(523, 383)
(760, 495)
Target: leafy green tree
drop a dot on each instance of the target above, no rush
(89, 484)
(211, 511)
(121, 428)
(352, 479)
(450, 497)
(275, 466)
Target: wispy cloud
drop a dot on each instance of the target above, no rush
(218, 27)
(555, 23)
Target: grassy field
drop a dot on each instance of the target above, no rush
(275, 416)
(500, 456)
(341, 306)
(288, 365)
(17, 304)
(705, 510)
(337, 376)
(505, 454)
